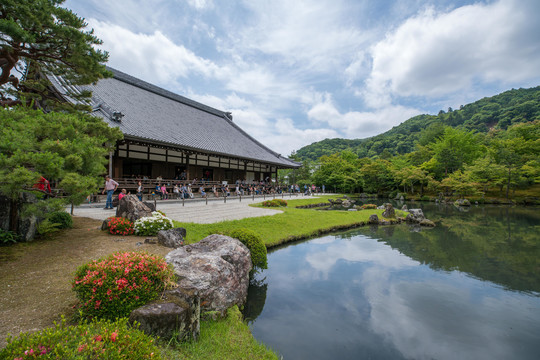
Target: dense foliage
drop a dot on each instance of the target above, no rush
(491, 113)
(95, 340)
(457, 162)
(61, 218)
(38, 37)
(113, 286)
(66, 149)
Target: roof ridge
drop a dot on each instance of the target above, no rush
(122, 76)
(173, 96)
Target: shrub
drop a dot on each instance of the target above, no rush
(274, 203)
(424, 198)
(7, 237)
(255, 245)
(94, 340)
(120, 226)
(62, 218)
(113, 286)
(150, 225)
(161, 212)
(369, 206)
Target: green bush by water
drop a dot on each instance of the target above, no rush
(255, 245)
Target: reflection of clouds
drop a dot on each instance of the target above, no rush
(361, 249)
(435, 320)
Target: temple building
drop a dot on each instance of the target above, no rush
(169, 136)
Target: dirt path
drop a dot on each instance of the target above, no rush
(35, 278)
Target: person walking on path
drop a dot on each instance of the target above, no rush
(110, 187)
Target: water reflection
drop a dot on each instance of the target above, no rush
(389, 293)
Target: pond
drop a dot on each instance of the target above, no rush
(466, 289)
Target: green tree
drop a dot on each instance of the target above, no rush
(339, 171)
(38, 37)
(377, 176)
(67, 149)
(454, 149)
(518, 146)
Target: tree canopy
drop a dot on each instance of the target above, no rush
(37, 38)
(67, 147)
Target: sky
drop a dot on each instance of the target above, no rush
(294, 72)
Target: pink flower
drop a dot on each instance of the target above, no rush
(114, 335)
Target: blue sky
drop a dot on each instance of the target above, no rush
(294, 72)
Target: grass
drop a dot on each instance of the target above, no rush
(293, 224)
(228, 338)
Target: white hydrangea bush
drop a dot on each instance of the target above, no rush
(150, 225)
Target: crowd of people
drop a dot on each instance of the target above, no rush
(184, 189)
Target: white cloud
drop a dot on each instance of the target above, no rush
(152, 57)
(434, 54)
(201, 4)
(311, 36)
(356, 124)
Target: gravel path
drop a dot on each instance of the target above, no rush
(197, 211)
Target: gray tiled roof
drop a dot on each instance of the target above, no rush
(157, 115)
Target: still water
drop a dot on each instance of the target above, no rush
(467, 289)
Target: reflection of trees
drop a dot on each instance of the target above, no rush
(256, 299)
(498, 244)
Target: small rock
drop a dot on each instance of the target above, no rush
(427, 222)
(462, 202)
(404, 208)
(138, 243)
(150, 241)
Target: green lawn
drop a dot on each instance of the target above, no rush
(292, 224)
(228, 338)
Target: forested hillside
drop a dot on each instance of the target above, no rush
(496, 112)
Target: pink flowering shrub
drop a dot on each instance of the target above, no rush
(113, 286)
(94, 340)
(274, 203)
(369, 206)
(120, 226)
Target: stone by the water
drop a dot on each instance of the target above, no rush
(217, 268)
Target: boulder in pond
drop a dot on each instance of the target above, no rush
(217, 268)
(415, 216)
(131, 208)
(462, 202)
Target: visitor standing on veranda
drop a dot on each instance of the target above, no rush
(110, 188)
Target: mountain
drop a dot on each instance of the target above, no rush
(496, 112)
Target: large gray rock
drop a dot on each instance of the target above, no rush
(389, 211)
(373, 219)
(415, 216)
(176, 314)
(26, 226)
(217, 268)
(173, 238)
(131, 208)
